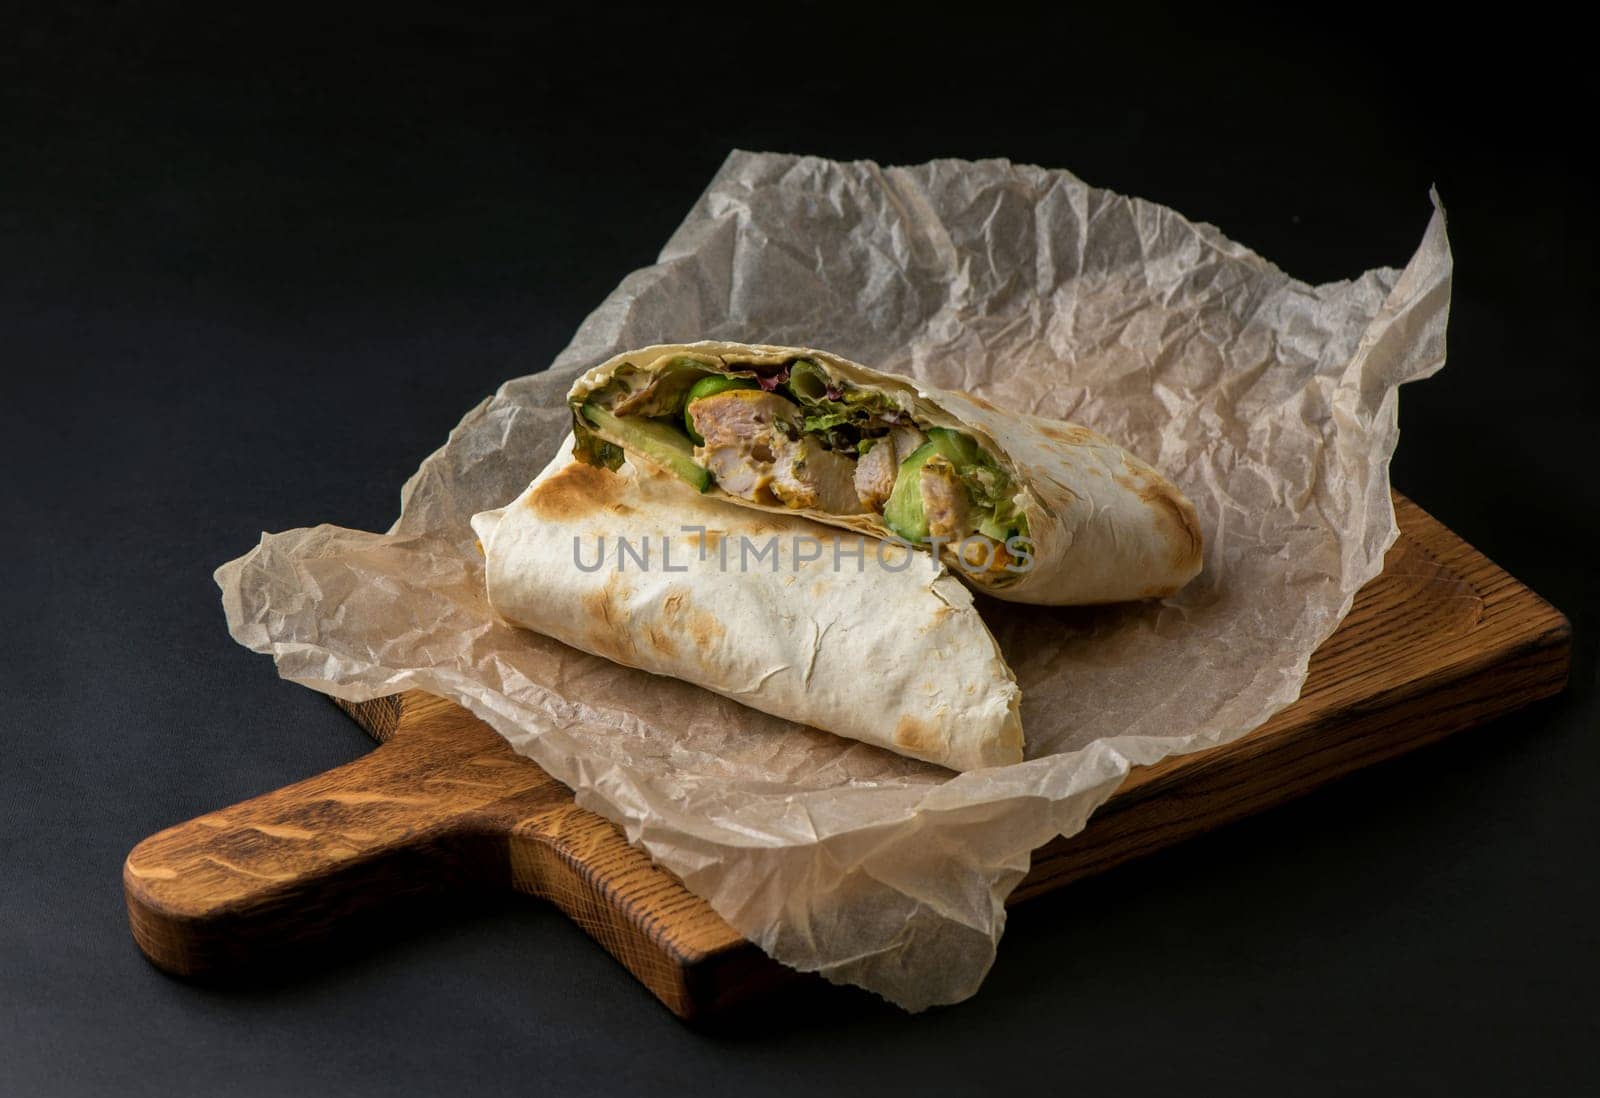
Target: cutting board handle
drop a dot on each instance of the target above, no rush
(230, 888)
(443, 803)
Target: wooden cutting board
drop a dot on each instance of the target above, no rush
(1441, 640)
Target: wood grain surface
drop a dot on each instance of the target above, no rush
(1442, 640)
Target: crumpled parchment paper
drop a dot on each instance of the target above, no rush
(1272, 403)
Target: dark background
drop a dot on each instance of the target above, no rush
(255, 264)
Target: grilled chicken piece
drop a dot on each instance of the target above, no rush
(818, 480)
(875, 474)
(740, 427)
(755, 449)
(737, 417)
(737, 476)
(877, 469)
(945, 500)
(906, 439)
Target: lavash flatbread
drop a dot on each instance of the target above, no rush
(1104, 525)
(890, 652)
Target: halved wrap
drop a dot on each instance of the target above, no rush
(862, 638)
(1024, 508)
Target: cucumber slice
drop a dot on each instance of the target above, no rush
(663, 445)
(710, 386)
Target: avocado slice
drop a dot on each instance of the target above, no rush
(661, 444)
(710, 386)
(903, 513)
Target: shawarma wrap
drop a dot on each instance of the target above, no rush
(862, 638)
(1024, 508)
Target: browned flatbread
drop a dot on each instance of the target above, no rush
(883, 647)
